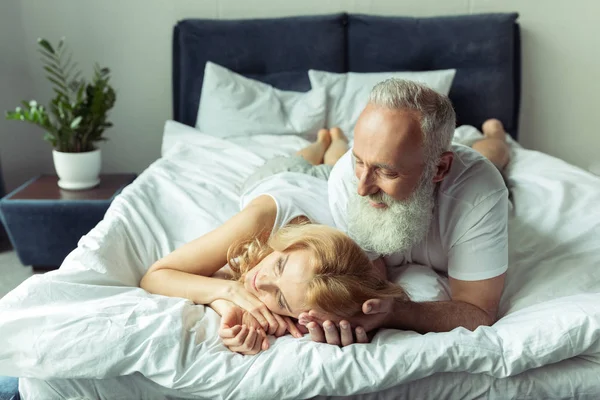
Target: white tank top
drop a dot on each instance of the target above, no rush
(295, 195)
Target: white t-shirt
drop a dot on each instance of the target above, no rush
(295, 194)
(468, 235)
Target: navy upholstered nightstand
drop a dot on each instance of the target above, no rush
(44, 223)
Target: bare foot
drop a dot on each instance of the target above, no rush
(314, 152)
(339, 146)
(493, 129)
(324, 138)
(493, 146)
(337, 134)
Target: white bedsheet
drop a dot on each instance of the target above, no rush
(89, 320)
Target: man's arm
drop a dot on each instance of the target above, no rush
(474, 303)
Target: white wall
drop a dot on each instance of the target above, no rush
(22, 152)
(561, 66)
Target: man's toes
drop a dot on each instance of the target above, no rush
(324, 137)
(493, 128)
(336, 134)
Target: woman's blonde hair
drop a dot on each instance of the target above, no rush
(344, 277)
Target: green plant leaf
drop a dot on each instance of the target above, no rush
(49, 58)
(71, 69)
(58, 83)
(53, 73)
(46, 45)
(49, 137)
(75, 122)
(60, 93)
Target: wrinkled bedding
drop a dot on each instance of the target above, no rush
(89, 320)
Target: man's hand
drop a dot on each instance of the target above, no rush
(323, 327)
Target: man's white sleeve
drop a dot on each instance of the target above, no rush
(339, 184)
(481, 250)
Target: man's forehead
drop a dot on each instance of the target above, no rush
(391, 138)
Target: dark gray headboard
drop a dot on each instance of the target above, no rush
(484, 48)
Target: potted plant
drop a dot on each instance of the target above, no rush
(75, 119)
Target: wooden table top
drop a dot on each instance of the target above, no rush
(45, 187)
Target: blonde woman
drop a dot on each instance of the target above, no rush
(283, 256)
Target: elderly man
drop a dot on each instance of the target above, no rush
(406, 194)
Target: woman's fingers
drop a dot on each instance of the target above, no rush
(272, 327)
(252, 343)
(265, 344)
(226, 332)
(281, 326)
(292, 327)
(303, 329)
(264, 317)
(250, 339)
(238, 340)
(258, 315)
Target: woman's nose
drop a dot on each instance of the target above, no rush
(264, 281)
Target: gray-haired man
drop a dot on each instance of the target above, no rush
(406, 194)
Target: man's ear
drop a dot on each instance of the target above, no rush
(443, 166)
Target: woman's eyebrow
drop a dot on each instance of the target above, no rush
(285, 303)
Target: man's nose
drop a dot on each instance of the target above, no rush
(366, 184)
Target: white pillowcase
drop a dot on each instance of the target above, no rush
(233, 105)
(177, 132)
(348, 93)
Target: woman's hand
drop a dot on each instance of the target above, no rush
(242, 333)
(238, 295)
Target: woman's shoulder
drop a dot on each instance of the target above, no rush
(293, 195)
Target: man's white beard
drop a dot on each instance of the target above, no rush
(397, 227)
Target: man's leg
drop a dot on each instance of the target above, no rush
(314, 152)
(338, 147)
(494, 146)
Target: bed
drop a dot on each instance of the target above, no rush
(88, 331)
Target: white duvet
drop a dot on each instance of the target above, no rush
(90, 320)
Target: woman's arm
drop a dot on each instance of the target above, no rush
(186, 272)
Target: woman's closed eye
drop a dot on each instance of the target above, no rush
(281, 263)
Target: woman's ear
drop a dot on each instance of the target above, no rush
(443, 166)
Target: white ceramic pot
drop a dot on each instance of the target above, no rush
(77, 171)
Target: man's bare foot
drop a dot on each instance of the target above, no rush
(493, 129)
(324, 138)
(493, 146)
(337, 134)
(339, 146)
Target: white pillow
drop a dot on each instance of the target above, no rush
(177, 132)
(348, 93)
(233, 105)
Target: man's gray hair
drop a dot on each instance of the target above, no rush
(438, 119)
